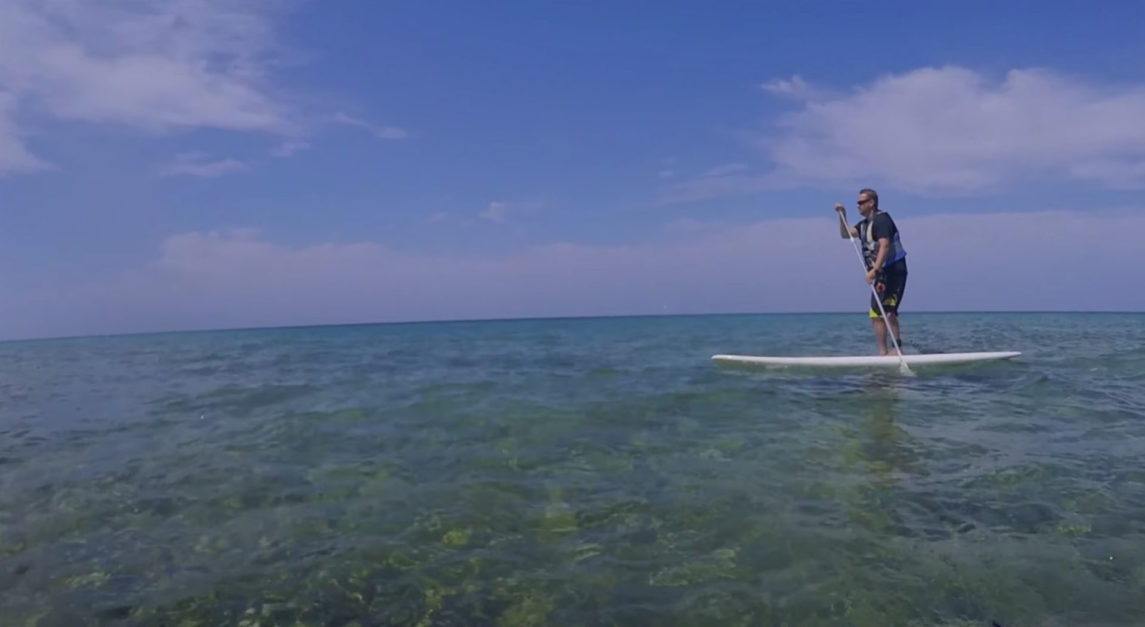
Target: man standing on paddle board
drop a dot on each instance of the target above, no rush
(885, 259)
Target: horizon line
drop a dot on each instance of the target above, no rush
(290, 327)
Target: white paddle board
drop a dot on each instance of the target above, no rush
(864, 361)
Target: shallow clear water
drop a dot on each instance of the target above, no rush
(575, 472)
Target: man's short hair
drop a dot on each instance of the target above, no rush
(872, 194)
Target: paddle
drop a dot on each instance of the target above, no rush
(903, 368)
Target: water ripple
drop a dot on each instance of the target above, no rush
(573, 472)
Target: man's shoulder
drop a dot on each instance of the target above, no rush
(884, 221)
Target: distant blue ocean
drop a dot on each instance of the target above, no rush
(576, 472)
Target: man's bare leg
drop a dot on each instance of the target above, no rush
(893, 319)
(880, 335)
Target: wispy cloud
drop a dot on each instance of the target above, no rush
(728, 180)
(795, 88)
(379, 131)
(212, 279)
(287, 148)
(14, 155)
(495, 212)
(200, 165)
(499, 211)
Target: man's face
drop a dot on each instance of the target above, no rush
(866, 205)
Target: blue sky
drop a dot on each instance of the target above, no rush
(219, 163)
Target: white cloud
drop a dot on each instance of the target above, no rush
(198, 164)
(155, 67)
(957, 262)
(950, 129)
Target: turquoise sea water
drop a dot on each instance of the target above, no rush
(575, 472)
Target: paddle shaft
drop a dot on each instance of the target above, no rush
(874, 292)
